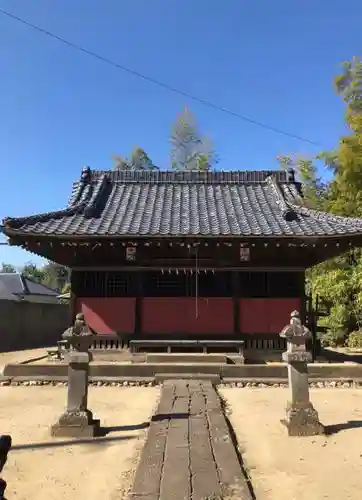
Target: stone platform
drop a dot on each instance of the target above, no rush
(148, 371)
(186, 358)
(189, 453)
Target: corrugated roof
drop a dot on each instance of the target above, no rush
(156, 203)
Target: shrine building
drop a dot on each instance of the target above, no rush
(186, 254)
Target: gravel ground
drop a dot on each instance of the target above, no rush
(286, 468)
(46, 468)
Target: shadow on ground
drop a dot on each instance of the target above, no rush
(102, 437)
(335, 428)
(341, 357)
(144, 425)
(71, 442)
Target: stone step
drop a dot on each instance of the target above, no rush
(212, 377)
(186, 358)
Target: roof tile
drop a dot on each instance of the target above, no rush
(144, 203)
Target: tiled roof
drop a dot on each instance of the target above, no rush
(154, 203)
(13, 285)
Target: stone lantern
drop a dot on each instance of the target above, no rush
(77, 420)
(301, 417)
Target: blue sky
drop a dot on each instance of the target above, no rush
(60, 109)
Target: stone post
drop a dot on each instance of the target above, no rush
(5, 446)
(301, 417)
(77, 420)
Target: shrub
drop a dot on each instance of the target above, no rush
(333, 338)
(355, 340)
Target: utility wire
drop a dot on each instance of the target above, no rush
(157, 82)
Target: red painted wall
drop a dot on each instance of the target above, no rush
(108, 315)
(266, 315)
(178, 315)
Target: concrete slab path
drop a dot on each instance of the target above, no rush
(189, 453)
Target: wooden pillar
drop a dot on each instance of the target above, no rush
(236, 301)
(138, 305)
(303, 298)
(73, 298)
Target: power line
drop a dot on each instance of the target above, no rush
(158, 82)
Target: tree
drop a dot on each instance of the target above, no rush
(315, 190)
(7, 268)
(348, 84)
(55, 275)
(30, 270)
(138, 160)
(189, 150)
(51, 274)
(338, 282)
(346, 187)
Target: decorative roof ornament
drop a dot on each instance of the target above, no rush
(290, 174)
(85, 175)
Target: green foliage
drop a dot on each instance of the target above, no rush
(30, 270)
(51, 274)
(190, 150)
(55, 275)
(138, 160)
(355, 340)
(314, 189)
(338, 282)
(333, 339)
(346, 187)
(66, 288)
(348, 84)
(7, 268)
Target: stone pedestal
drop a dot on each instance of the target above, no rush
(301, 417)
(77, 420)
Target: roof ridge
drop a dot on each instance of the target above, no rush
(35, 282)
(320, 215)
(24, 284)
(286, 209)
(79, 200)
(192, 176)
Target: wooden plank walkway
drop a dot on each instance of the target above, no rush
(189, 453)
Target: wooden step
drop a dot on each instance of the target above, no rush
(185, 358)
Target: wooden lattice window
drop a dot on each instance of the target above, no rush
(285, 284)
(213, 284)
(252, 284)
(165, 284)
(104, 284)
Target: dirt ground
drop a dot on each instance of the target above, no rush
(20, 356)
(47, 468)
(290, 468)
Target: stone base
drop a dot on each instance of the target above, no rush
(303, 421)
(79, 424)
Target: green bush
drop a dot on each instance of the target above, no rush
(333, 338)
(355, 340)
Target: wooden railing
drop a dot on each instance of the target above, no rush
(115, 342)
